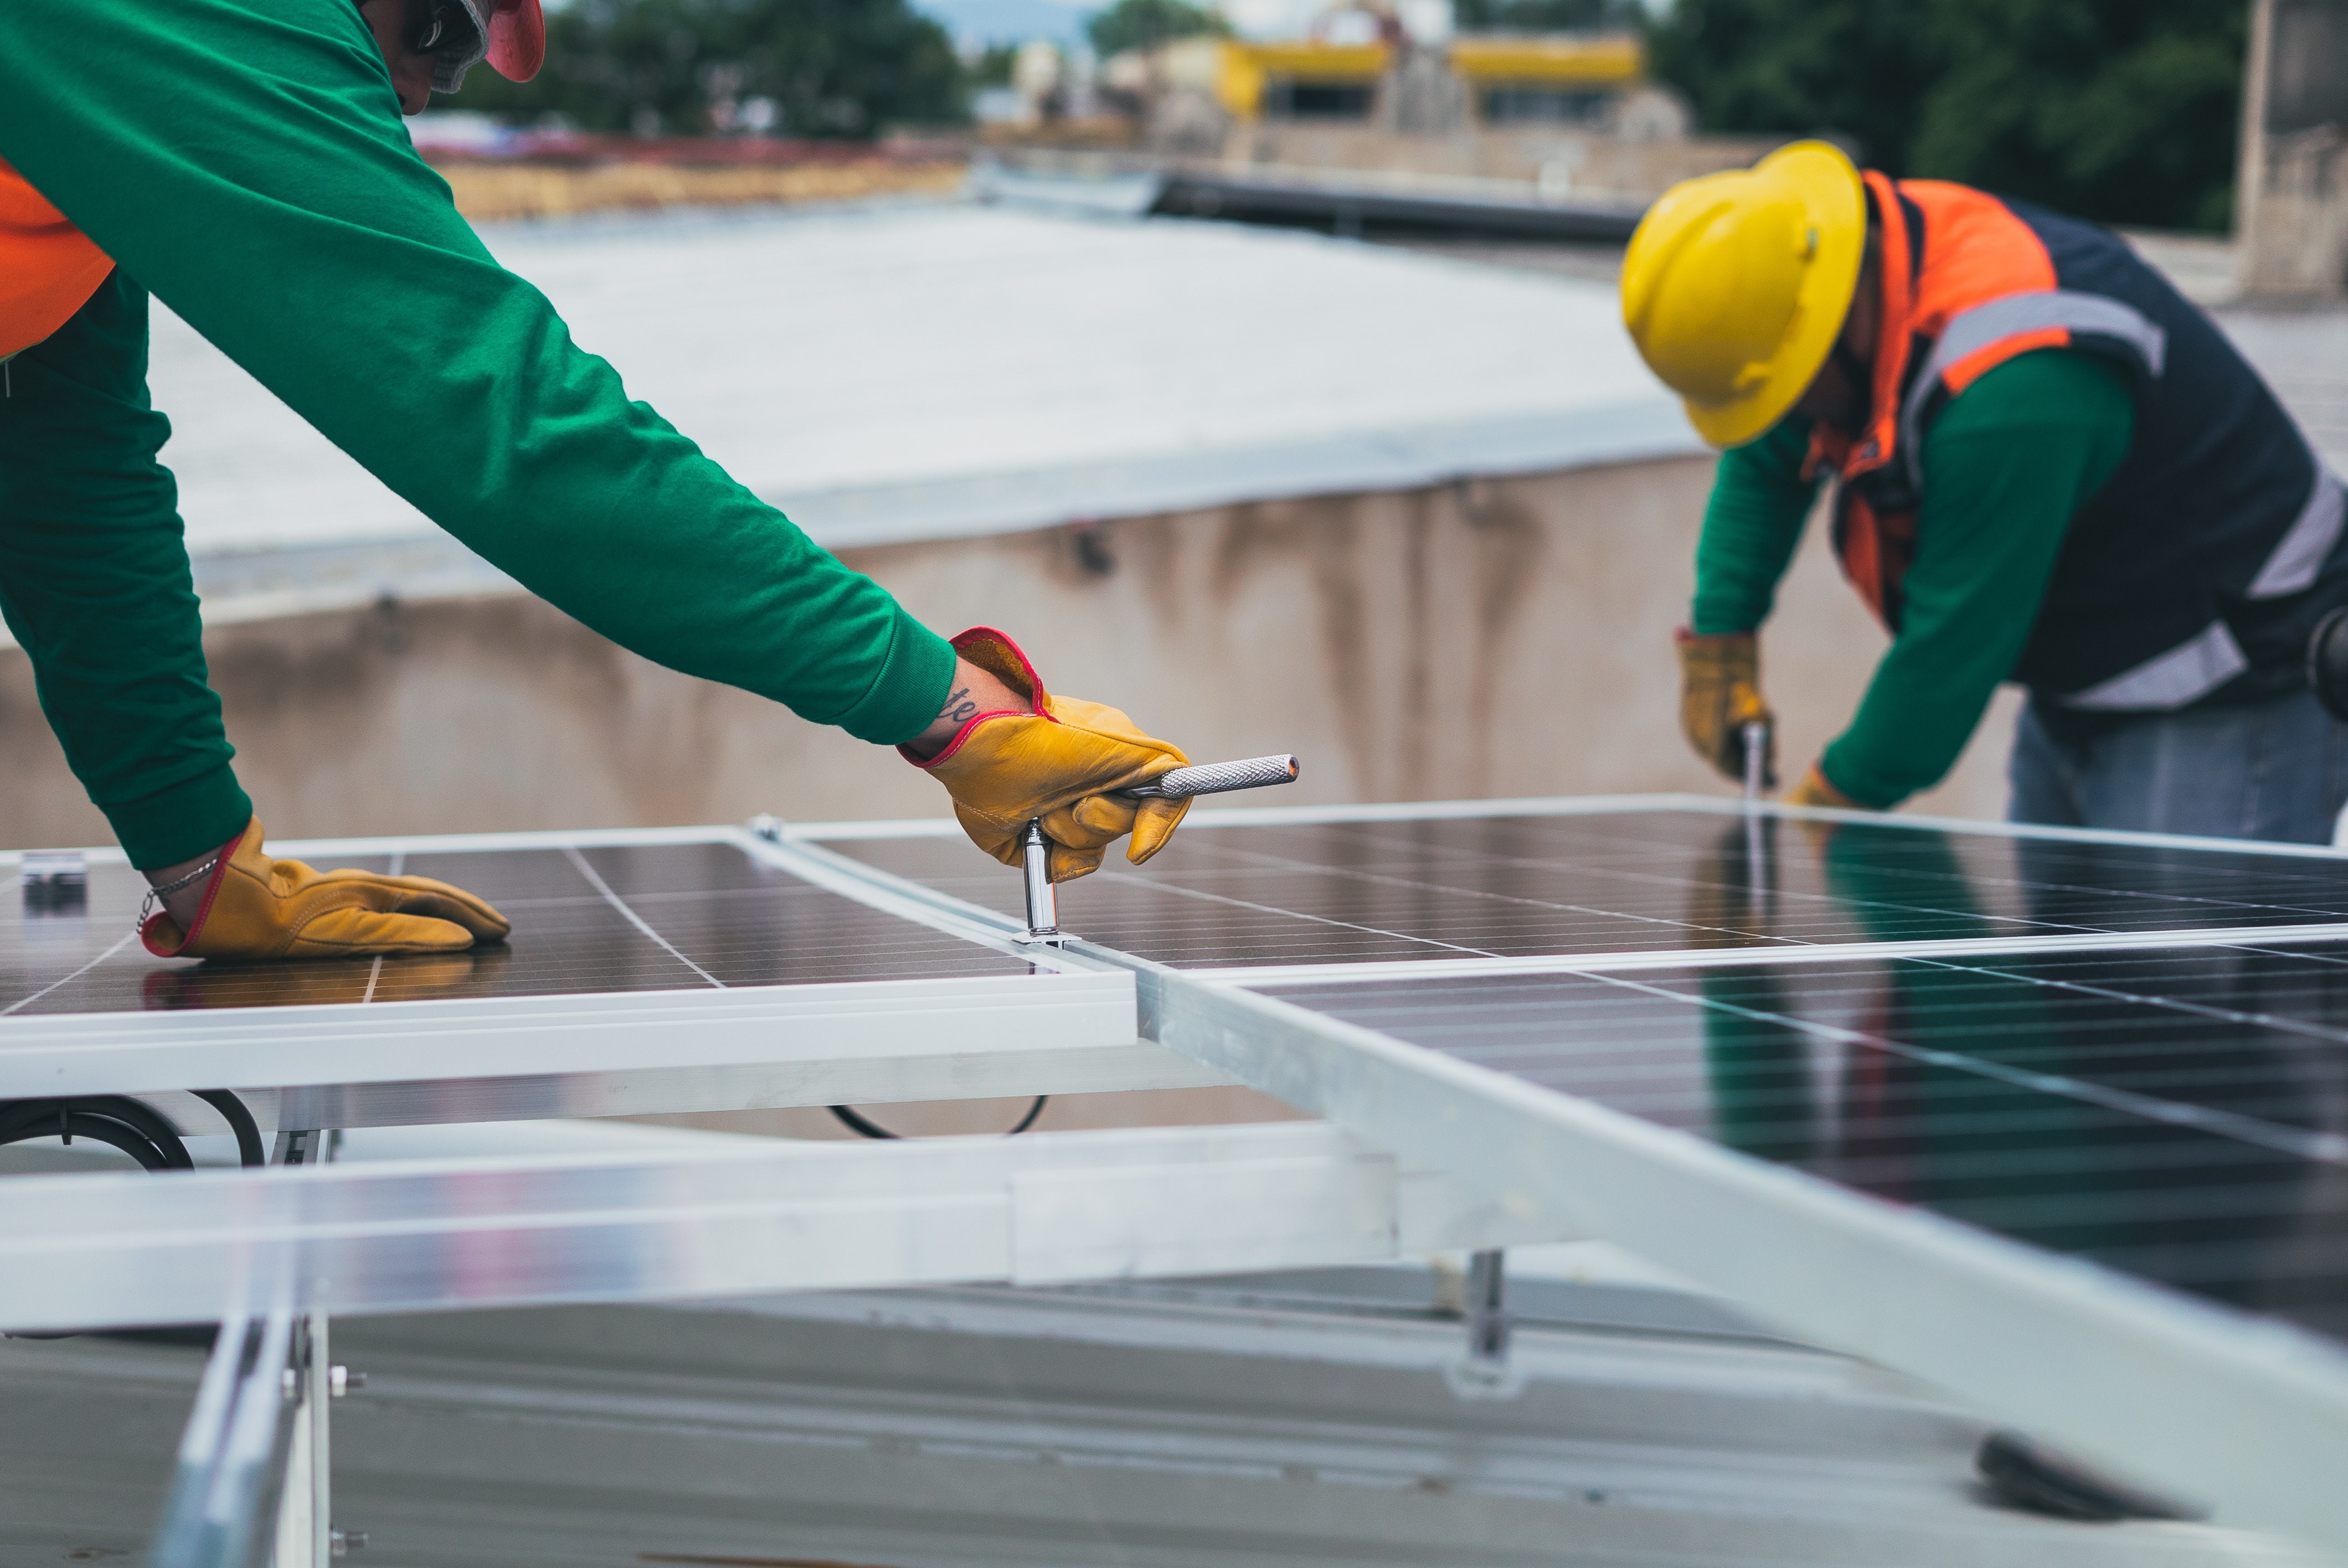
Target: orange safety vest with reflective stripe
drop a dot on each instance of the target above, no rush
(2193, 567)
(48, 268)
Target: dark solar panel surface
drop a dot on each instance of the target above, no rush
(2178, 1115)
(1635, 881)
(593, 921)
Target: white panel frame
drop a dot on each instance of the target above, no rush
(1067, 1029)
(508, 1058)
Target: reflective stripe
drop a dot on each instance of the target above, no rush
(2304, 550)
(2185, 673)
(1968, 332)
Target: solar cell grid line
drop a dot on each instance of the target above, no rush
(1647, 880)
(2099, 1106)
(661, 915)
(638, 921)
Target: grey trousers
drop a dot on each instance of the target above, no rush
(2276, 769)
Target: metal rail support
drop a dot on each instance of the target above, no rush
(1757, 784)
(1043, 902)
(1486, 1373)
(231, 1466)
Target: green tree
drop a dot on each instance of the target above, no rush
(2120, 111)
(1146, 24)
(826, 68)
(994, 66)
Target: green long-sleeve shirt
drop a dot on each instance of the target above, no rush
(2006, 467)
(245, 161)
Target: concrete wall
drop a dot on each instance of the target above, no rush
(1563, 158)
(1508, 637)
(2291, 193)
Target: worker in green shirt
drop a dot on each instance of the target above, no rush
(245, 161)
(2047, 467)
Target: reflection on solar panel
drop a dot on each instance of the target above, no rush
(1836, 1069)
(2183, 1118)
(1618, 882)
(591, 921)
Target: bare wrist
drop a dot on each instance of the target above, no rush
(184, 899)
(973, 692)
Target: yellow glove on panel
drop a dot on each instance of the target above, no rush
(1816, 789)
(1720, 693)
(259, 907)
(1059, 763)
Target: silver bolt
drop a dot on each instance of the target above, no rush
(341, 1380)
(342, 1541)
(767, 828)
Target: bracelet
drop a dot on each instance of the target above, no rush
(191, 879)
(156, 894)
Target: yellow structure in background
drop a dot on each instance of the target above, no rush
(1560, 62)
(1244, 69)
(1238, 71)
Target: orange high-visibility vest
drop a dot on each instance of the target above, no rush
(48, 268)
(2196, 567)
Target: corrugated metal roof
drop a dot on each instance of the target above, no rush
(886, 374)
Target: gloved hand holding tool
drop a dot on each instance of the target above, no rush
(1720, 701)
(1010, 753)
(242, 903)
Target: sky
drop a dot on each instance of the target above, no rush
(1010, 21)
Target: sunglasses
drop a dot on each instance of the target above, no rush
(444, 25)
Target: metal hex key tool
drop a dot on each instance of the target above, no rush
(1205, 778)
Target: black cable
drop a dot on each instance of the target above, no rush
(249, 1149)
(109, 1119)
(862, 1125)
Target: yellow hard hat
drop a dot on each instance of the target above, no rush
(1737, 284)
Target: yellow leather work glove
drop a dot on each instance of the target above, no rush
(1720, 693)
(1816, 789)
(1060, 763)
(259, 907)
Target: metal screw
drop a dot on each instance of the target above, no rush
(341, 1380)
(767, 828)
(340, 1541)
(290, 1382)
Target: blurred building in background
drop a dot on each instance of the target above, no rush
(1398, 90)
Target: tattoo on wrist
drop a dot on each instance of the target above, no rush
(959, 708)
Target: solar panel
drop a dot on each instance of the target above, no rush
(1518, 886)
(1899, 1048)
(597, 921)
(2181, 1117)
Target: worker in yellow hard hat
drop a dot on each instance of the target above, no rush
(2047, 467)
(245, 161)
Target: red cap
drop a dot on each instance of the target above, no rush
(517, 39)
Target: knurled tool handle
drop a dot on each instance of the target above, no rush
(1215, 778)
(1207, 778)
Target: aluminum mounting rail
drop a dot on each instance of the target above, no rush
(95, 1251)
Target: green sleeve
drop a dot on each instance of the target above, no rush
(245, 161)
(2005, 468)
(1751, 525)
(94, 582)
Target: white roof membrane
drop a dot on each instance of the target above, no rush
(898, 374)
